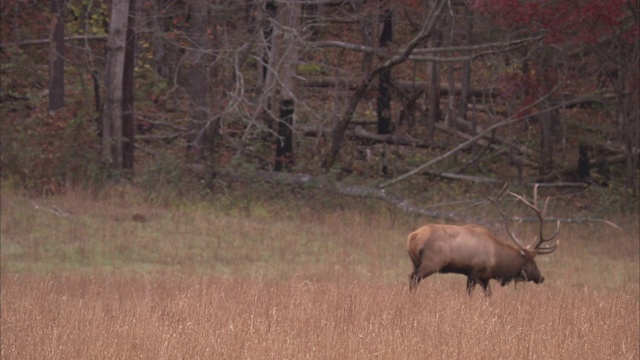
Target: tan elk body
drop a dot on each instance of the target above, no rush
(474, 251)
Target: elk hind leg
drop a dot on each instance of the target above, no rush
(471, 284)
(419, 273)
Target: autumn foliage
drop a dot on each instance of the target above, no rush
(572, 21)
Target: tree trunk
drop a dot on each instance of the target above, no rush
(289, 17)
(56, 56)
(157, 39)
(128, 126)
(451, 114)
(312, 19)
(269, 53)
(337, 133)
(623, 73)
(466, 66)
(367, 40)
(197, 141)
(384, 78)
(284, 143)
(434, 88)
(339, 129)
(548, 120)
(630, 125)
(546, 141)
(271, 11)
(112, 144)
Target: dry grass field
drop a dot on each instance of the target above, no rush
(116, 316)
(271, 281)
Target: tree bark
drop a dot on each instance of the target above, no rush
(128, 126)
(112, 143)
(384, 78)
(466, 66)
(547, 125)
(198, 139)
(434, 88)
(289, 16)
(367, 40)
(56, 57)
(271, 11)
(268, 47)
(284, 143)
(157, 39)
(548, 120)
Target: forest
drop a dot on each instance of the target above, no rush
(358, 96)
(241, 179)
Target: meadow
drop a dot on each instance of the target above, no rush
(115, 276)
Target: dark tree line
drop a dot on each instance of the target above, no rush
(250, 79)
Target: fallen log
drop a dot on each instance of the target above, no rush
(325, 183)
(360, 133)
(572, 170)
(471, 178)
(404, 85)
(46, 41)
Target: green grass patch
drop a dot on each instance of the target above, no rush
(264, 239)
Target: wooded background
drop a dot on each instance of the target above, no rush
(367, 93)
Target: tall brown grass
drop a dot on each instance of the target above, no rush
(124, 316)
(290, 281)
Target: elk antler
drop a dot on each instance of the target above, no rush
(505, 216)
(541, 215)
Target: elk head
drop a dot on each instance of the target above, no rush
(530, 271)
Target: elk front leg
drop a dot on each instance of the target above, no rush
(485, 287)
(471, 284)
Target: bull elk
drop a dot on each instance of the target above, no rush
(474, 251)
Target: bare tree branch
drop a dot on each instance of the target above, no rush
(46, 41)
(341, 126)
(473, 139)
(418, 53)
